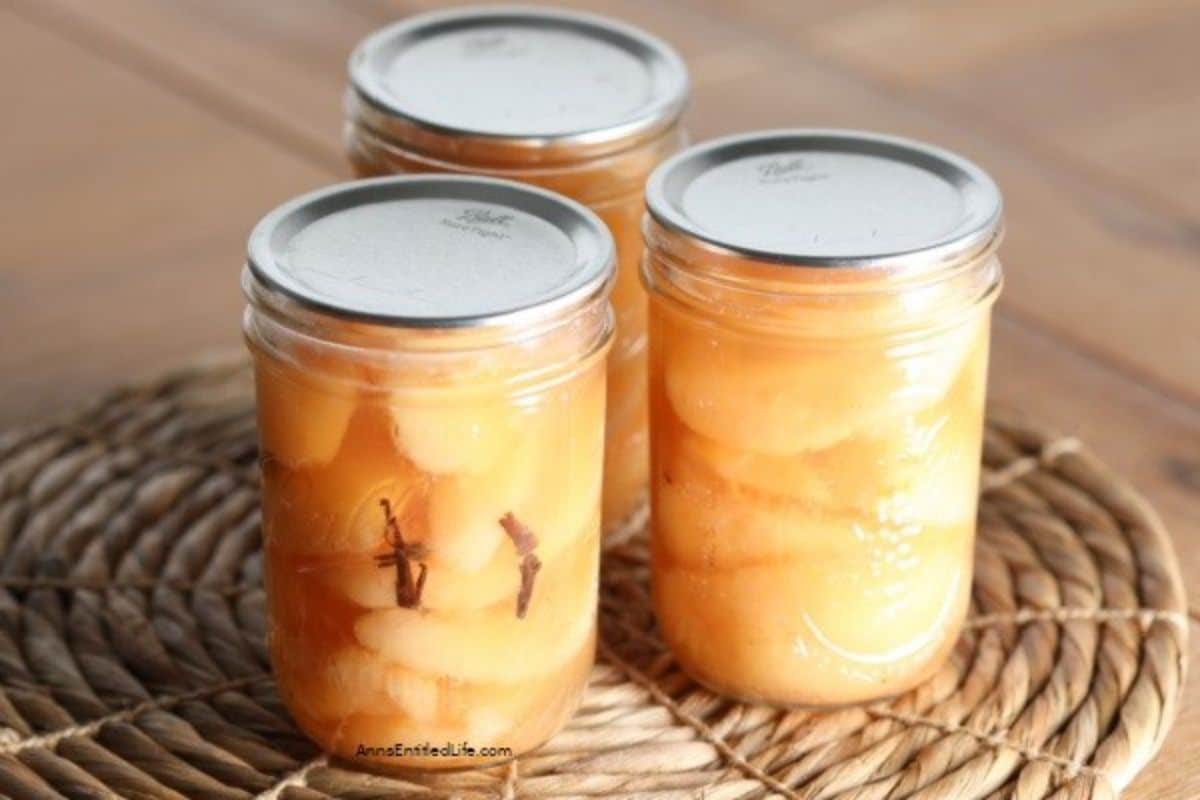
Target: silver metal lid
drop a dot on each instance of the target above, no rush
(433, 251)
(827, 198)
(519, 78)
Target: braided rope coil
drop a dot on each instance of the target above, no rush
(132, 660)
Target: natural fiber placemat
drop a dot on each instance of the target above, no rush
(132, 660)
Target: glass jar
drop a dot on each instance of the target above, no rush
(428, 355)
(818, 351)
(574, 103)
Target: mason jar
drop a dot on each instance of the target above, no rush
(819, 316)
(574, 103)
(429, 360)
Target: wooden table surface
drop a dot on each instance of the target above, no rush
(143, 138)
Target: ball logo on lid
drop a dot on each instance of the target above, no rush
(493, 45)
(482, 222)
(787, 170)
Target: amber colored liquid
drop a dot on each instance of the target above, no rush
(361, 488)
(813, 504)
(626, 458)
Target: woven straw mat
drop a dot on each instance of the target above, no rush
(132, 657)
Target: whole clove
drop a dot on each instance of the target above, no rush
(525, 542)
(408, 587)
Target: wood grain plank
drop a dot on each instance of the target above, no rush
(790, 15)
(124, 222)
(1121, 102)
(918, 40)
(272, 67)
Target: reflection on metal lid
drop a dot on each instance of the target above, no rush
(827, 198)
(520, 78)
(433, 251)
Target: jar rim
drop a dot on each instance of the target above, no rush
(376, 353)
(758, 294)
